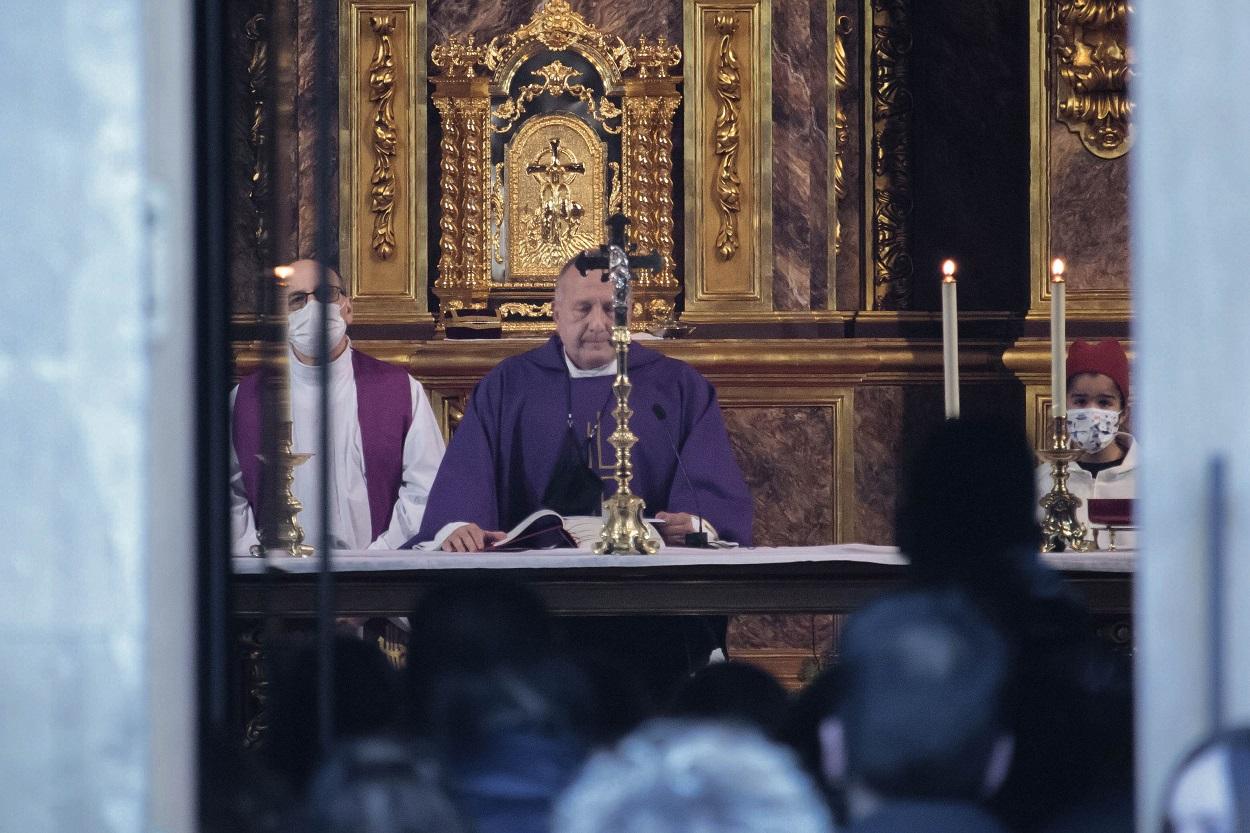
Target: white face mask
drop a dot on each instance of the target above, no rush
(1092, 429)
(304, 325)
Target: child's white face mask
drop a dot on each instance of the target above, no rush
(1092, 429)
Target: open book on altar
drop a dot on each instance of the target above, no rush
(548, 530)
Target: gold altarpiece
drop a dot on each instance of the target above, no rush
(545, 131)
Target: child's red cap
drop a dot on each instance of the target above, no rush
(1105, 357)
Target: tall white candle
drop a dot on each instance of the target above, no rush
(1058, 340)
(950, 340)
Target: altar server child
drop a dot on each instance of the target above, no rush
(1098, 396)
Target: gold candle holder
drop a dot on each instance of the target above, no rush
(1060, 528)
(277, 518)
(624, 531)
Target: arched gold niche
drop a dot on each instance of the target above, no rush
(492, 195)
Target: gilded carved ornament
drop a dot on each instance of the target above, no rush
(891, 163)
(556, 77)
(841, 134)
(557, 27)
(655, 59)
(725, 140)
(548, 195)
(385, 137)
(1093, 66)
(523, 310)
(255, 31)
(458, 57)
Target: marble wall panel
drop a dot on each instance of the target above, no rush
(488, 18)
(800, 155)
(890, 421)
(786, 455)
(814, 634)
(1088, 213)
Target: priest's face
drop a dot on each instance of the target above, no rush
(302, 287)
(582, 309)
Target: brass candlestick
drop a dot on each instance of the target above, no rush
(277, 517)
(623, 528)
(1060, 528)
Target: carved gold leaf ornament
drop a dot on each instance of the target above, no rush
(891, 163)
(614, 199)
(458, 57)
(556, 77)
(725, 138)
(522, 310)
(255, 31)
(655, 59)
(1093, 67)
(496, 213)
(556, 26)
(382, 74)
(841, 136)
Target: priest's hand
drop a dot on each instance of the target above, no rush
(472, 538)
(675, 526)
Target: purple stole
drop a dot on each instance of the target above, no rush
(384, 408)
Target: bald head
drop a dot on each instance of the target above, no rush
(305, 274)
(582, 309)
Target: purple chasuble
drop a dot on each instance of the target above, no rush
(503, 453)
(384, 408)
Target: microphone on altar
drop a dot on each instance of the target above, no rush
(693, 539)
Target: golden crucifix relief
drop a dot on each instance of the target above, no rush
(555, 201)
(557, 216)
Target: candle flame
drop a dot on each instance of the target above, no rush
(1056, 269)
(948, 271)
(283, 273)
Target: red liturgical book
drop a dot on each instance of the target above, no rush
(1111, 511)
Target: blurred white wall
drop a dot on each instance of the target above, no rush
(96, 614)
(1191, 225)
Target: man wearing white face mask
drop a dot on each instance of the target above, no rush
(1098, 388)
(385, 445)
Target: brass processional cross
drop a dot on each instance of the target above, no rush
(623, 529)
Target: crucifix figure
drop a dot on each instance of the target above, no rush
(559, 213)
(623, 530)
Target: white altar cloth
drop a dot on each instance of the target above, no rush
(359, 561)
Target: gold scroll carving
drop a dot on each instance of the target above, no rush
(382, 205)
(840, 131)
(892, 267)
(728, 171)
(256, 33)
(528, 207)
(725, 140)
(1092, 68)
(556, 77)
(385, 137)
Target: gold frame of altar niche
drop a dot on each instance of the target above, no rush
(383, 215)
(476, 101)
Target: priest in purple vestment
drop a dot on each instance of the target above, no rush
(385, 443)
(535, 434)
